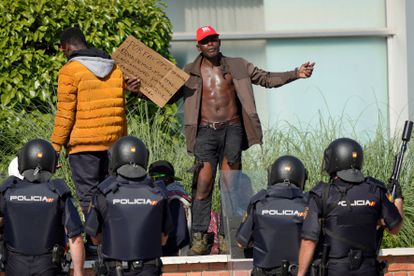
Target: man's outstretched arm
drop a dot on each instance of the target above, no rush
(277, 79)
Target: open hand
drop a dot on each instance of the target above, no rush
(305, 70)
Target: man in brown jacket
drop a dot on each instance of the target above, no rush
(221, 120)
(90, 111)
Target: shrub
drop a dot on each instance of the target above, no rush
(29, 39)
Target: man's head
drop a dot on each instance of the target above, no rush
(288, 169)
(37, 160)
(72, 39)
(128, 157)
(344, 158)
(162, 170)
(208, 41)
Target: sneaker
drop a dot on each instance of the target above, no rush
(200, 244)
(222, 245)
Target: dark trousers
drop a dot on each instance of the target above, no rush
(24, 265)
(212, 145)
(88, 170)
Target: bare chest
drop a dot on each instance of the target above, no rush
(216, 83)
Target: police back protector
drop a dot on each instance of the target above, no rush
(133, 221)
(352, 215)
(278, 222)
(33, 217)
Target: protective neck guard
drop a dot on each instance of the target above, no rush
(37, 176)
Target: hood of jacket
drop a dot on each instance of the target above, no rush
(97, 61)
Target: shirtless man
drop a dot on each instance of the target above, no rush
(221, 120)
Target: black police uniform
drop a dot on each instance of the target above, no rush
(35, 217)
(352, 211)
(273, 223)
(131, 215)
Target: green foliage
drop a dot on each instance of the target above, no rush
(29, 39)
(166, 141)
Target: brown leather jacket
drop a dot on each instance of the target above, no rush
(244, 75)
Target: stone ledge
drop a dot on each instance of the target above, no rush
(196, 259)
(226, 258)
(409, 251)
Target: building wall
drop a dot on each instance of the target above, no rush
(349, 84)
(359, 48)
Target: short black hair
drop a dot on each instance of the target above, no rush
(73, 36)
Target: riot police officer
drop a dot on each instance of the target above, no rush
(274, 219)
(129, 215)
(38, 215)
(346, 213)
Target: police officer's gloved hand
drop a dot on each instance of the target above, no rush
(398, 191)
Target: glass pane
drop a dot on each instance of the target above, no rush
(323, 14)
(349, 84)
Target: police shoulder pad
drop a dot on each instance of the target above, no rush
(375, 182)
(10, 182)
(108, 185)
(60, 187)
(259, 196)
(318, 189)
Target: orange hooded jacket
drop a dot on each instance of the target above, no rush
(91, 105)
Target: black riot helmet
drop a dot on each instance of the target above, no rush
(37, 160)
(129, 157)
(343, 158)
(288, 169)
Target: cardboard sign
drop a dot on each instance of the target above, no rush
(160, 79)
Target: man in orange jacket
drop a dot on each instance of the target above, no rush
(90, 111)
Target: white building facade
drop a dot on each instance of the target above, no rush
(363, 49)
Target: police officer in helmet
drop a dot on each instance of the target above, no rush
(38, 215)
(274, 219)
(129, 214)
(344, 214)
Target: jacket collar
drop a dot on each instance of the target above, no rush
(195, 67)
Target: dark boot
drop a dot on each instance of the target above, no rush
(200, 244)
(222, 245)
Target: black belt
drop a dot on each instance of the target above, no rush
(220, 125)
(134, 265)
(292, 270)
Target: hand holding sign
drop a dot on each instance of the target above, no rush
(160, 79)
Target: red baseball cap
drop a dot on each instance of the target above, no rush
(204, 32)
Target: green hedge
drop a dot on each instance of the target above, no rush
(29, 39)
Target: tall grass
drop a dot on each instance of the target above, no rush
(164, 139)
(309, 144)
